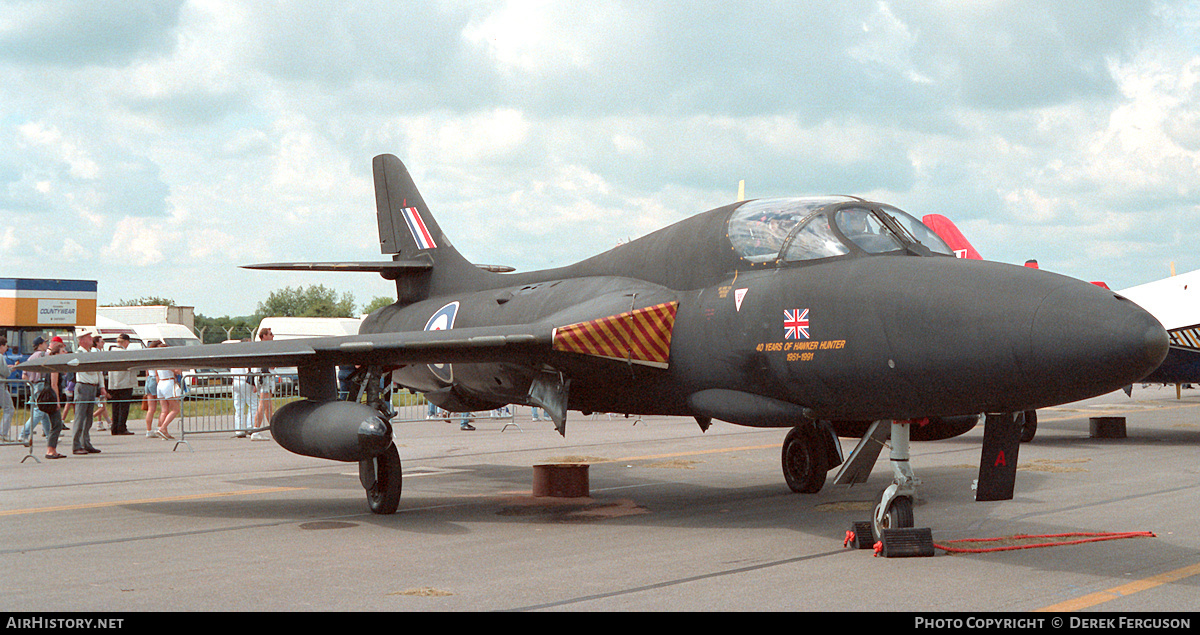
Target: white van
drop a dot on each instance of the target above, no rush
(110, 329)
(169, 334)
(290, 328)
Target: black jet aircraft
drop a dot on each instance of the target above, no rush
(822, 315)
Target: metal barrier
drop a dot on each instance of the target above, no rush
(19, 394)
(226, 403)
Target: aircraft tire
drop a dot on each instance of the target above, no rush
(803, 460)
(899, 514)
(1028, 421)
(384, 496)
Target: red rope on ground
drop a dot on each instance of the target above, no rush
(1086, 537)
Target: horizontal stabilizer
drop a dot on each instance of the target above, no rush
(389, 269)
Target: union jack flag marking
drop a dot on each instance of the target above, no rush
(795, 324)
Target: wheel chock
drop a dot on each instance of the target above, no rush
(859, 536)
(907, 542)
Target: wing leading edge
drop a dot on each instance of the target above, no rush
(482, 344)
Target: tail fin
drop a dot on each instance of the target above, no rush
(407, 230)
(948, 231)
(405, 225)
(423, 262)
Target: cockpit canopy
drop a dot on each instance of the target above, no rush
(799, 229)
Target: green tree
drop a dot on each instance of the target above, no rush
(217, 330)
(313, 301)
(146, 301)
(378, 302)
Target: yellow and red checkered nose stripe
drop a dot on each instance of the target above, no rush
(642, 335)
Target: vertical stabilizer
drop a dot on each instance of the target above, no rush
(405, 225)
(949, 232)
(408, 230)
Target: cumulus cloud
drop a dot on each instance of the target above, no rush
(189, 137)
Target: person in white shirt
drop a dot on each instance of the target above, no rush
(87, 387)
(169, 394)
(245, 401)
(120, 392)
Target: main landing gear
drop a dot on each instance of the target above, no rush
(1027, 419)
(809, 452)
(803, 466)
(381, 476)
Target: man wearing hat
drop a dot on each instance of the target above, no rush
(87, 386)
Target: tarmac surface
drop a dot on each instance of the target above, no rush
(677, 520)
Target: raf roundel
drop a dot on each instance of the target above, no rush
(443, 320)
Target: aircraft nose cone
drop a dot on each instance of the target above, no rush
(1090, 339)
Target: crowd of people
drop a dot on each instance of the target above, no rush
(54, 395)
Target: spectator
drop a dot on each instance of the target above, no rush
(87, 388)
(169, 394)
(120, 391)
(266, 391)
(245, 401)
(6, 403)
(37, 382)
(151, 398)
(52, 408)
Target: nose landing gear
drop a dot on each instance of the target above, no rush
(895, 508)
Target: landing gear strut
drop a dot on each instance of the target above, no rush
(895, 509)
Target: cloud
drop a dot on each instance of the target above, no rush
(182, 139)
(75, 33)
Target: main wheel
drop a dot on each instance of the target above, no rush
(384, 495)
(803, 460)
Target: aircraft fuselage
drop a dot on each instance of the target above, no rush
(860, 339)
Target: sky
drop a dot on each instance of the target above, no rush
(155, 146)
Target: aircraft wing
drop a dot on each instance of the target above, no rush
(478, 344)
